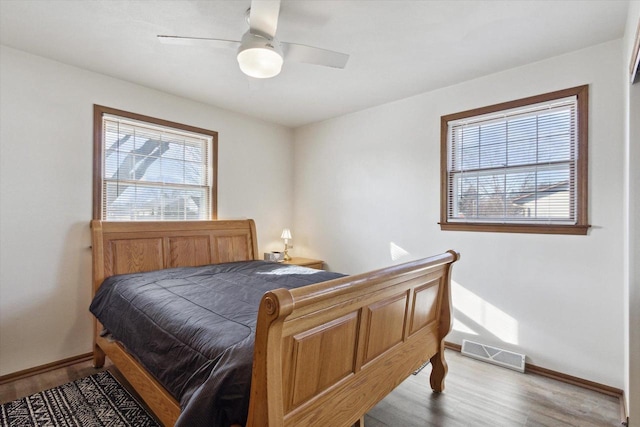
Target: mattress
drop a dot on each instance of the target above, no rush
(193, 328)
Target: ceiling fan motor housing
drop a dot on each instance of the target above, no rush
(259, 56)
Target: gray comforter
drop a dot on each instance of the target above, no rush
(193, 329)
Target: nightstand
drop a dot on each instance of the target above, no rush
(306, 262)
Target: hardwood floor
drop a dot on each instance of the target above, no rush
(480, 394)
(477, 394)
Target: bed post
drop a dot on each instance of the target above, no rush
(98, 355)
(97, 277)
(439, 367)
(266, 408)
(254, 239)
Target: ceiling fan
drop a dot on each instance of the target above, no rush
(260, 53)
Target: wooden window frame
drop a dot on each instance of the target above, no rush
(581, 226)
(98, 145)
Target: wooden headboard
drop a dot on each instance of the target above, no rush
(132, 247)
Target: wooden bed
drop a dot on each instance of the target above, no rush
(324, 354)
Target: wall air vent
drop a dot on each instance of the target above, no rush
(497, 356)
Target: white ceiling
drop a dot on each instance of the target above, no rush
(398, 48)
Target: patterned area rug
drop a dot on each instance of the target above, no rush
(94, 401)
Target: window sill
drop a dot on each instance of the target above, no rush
(517, 228)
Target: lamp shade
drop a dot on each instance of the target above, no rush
(286, 234)
(259, 57)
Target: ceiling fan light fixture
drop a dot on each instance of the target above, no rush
(260, 57)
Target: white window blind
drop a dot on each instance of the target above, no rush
(517, 166)
(152, 172)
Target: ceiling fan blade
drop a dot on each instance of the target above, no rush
(199, 41)
(263, 17)
(314, 55)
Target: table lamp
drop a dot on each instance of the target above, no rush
(286, 235)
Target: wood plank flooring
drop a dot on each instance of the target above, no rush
(477, 394)
(480, 394)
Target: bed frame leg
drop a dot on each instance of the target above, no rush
(439, 370)
(359, 423)
(98, 357)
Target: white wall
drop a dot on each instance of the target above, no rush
(632, 225)
(367, 191)
(46, 194)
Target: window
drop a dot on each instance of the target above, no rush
(518, 167)
(147, 169)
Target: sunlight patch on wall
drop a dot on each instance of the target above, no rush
(461, 327)
(397, 252)
(485, 314)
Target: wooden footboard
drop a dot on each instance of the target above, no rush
(325, 354)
